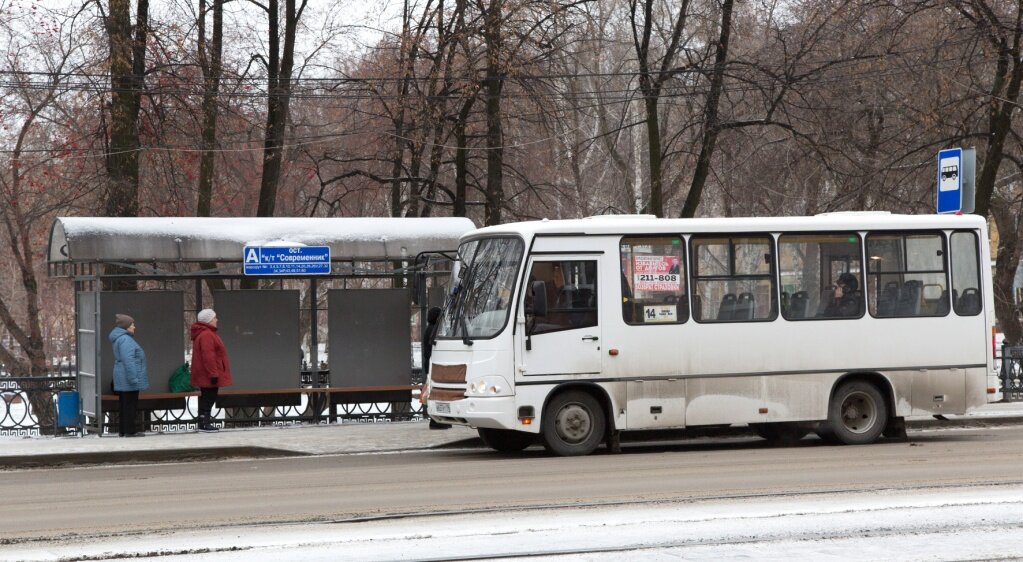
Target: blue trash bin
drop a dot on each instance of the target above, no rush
(68, 409)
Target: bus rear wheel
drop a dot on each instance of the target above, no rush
(506, 440)
(858, 413)
(573, 424)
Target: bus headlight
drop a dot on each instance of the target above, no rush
(493, 385)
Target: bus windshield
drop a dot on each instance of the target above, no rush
(483, 282)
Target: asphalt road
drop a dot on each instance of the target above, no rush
(47, 504)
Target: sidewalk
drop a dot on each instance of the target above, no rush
(255, 442)
(299, 440)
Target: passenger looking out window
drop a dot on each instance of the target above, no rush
(845, 301)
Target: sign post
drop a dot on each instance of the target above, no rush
(956, 183)
(950, 181)
(287, 260)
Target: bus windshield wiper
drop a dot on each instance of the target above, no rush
(465, 327)
(457, 307)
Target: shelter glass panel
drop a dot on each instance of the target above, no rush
(370, 342)
(159, 329)
(260, 330)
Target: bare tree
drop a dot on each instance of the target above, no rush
(36, 178)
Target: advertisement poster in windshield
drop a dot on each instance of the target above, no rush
(656, 273)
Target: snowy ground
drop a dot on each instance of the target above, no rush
(982, 522)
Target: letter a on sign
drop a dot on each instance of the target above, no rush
(251, 256)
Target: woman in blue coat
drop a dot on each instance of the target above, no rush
(130, 375)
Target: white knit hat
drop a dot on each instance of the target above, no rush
(206, 315)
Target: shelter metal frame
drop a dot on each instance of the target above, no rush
(357, 258)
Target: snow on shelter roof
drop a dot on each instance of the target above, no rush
(149, 239)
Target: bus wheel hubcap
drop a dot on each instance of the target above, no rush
(858, 412)
(573, 423)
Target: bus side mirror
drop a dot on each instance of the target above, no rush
(539, 308)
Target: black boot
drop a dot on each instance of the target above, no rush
(206, 425)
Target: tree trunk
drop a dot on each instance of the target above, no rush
(210, 61)
(127, 69)
(710, 120)
(653, 138)
(279, 71)
(127, 66)
(210, 58)
(1004, 93)
(461, 159)
(1000, 114)
(495, 137)
(1010, 228)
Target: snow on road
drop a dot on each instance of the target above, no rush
(920, 524)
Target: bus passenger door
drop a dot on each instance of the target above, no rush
(566, 339)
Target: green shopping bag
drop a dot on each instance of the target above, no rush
(180, 380)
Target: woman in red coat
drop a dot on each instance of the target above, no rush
(210, 368)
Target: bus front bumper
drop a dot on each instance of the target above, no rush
(494, 413)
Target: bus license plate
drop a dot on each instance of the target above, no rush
(443, 408)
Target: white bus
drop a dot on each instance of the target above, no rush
(840, 324)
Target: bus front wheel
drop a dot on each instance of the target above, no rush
(858, 413)
(506, 440)
(573, 424)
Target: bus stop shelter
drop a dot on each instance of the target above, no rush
(362, 309)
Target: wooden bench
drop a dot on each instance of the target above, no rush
(249, 398)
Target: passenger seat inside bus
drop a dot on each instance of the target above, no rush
(888, 299)
(909, 299)
(744, 307)
(727, 307)
(969, 303)
(800, 301)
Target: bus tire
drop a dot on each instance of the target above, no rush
(573, 424)
(858, 413)
(781, 433)
(506, 440)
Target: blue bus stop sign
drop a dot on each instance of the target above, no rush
(294, 260)
(950, 180)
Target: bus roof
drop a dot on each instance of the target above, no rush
(648, 224)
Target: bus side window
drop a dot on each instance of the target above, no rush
(908, 274)
(653, 280)
(571, 288)
(967, 299)
(825, 273)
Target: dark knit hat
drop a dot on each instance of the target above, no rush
(123, 321)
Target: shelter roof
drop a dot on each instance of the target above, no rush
(166, 239)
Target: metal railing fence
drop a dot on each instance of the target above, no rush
(28, 407)
(1011, 374)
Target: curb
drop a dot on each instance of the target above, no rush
(205, 454)
(985, 421)
(65, 460)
